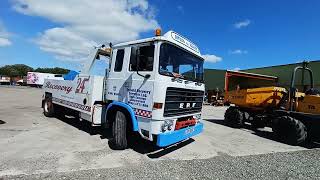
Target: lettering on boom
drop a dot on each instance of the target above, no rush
(58, 87)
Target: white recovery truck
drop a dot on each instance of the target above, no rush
(153, 86)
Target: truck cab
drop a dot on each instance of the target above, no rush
(153, 86)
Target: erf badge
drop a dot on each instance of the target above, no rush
(187, 105)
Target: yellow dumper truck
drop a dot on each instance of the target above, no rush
(294, 116)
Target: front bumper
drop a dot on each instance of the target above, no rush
(166, 139)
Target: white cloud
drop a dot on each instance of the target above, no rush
(242, 24)
(211, 58)
(4, 36)
(238, 51)
(4, 42)
(236, 69)
(65, 44)
(87, 23)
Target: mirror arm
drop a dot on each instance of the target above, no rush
(147, 76)
(139, 73)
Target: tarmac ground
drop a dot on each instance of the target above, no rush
(33, 146)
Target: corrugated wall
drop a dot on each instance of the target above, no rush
(214, 78)
(284, 73)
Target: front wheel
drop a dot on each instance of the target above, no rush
(48, 109)
(233, 117)
(119, 131)
(289, 130)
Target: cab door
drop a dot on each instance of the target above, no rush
(139, 79)
(116, 77)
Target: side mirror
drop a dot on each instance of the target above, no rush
(147, 76)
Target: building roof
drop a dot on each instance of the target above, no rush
(251, 74)
(281, 65)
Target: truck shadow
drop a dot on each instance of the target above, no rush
(264, 133)
(137, 144)
(149, 148)
(143, 146)
(81, 125)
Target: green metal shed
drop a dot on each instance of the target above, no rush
(214, 78)
(284, 72)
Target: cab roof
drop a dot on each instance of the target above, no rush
(171, 37)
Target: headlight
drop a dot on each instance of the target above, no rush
(167, 125)
(197, 117)
(170, 124)
(164, 127)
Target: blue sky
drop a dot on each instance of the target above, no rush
(236, 34)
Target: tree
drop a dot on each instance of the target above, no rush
(55, 70)
(15, 70)
(22, 70)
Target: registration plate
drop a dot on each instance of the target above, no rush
(188, 131)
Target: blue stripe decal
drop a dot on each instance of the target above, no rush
(129, 109)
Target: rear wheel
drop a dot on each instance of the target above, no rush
(234, 117)
(48, 109)
(290, 130)
(119, 131)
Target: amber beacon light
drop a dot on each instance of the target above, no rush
(158, 32)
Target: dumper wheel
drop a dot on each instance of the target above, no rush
(48, 109)
(234, 117)
(119, 131)
(289, 130)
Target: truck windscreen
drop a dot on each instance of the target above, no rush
(177, 62)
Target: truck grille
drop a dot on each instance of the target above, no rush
(182, 101)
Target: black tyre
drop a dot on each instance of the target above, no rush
(48, 107)
(234, 117)
(119, 131)
(289, 130)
